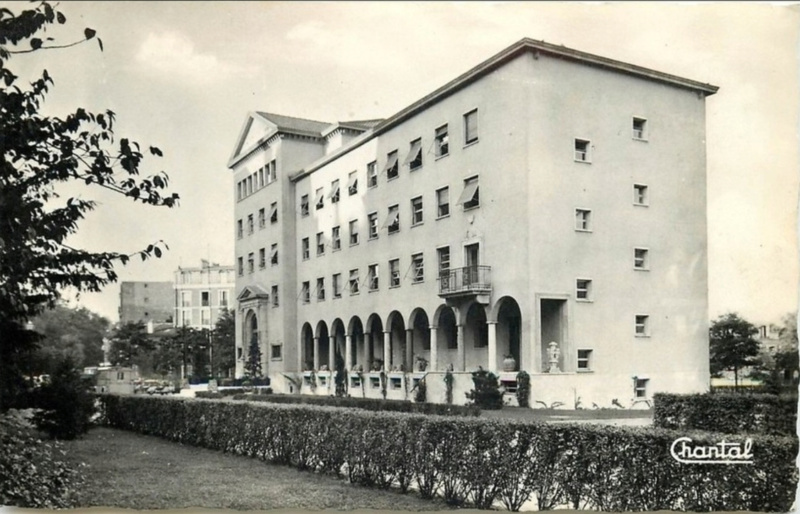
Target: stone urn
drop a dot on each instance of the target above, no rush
(509, 363)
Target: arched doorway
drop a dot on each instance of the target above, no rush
(446, 337)
(307, 347)
(509, 331)
(360, 357)
(398, 350)
(420, 337)
(253, 357)
(476, 337)
(322, 347)
(374, 342)
(338, 342)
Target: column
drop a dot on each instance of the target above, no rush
(387, 353)
(409, 349)
(316, 353)
(433, 365)
(239, 372)
(331, 353)
(367, 342)
(461, 363)
(492, 329)
(348, 350)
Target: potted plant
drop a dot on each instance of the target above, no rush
(509, 363)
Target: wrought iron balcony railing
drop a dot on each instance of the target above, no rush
(468, 280)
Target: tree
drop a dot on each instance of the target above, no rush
(67, 402)
(732, 345)
(39, 154)
(77, 332)
(223, 344)
(252, 366)
(129, 342)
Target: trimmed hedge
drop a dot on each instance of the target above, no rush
(371, 404)
(476, 460)
(233, 391)
(729, 413)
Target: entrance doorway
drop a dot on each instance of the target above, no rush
(553, 316)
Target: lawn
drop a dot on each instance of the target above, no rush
(132, 471)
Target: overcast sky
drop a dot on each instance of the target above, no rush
(183, 75)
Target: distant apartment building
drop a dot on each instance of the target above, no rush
(146, 302)
(545, 211)
(202, 294)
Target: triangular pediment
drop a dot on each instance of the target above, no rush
(255, 129)
(252, 292)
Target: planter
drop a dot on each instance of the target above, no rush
(509, 364)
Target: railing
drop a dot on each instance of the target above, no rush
(468, 280)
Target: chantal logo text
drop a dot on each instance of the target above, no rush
(684, 450)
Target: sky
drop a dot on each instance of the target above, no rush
(183, 76)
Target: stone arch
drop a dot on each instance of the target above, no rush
(446, 337)
(337, 340)
(373, 338)
(508, 315)
(476, 336)
(398, 352)
(360, 357)
(419, 324)
(322, 345)
(307, 347)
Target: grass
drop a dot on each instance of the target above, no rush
(132, 471)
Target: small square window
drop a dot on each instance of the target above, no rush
(336, 241)
(372, 174)
(393, 219)
(319, 203)
(642, 326)
(584, 360)
(641, 259)
(353, 232)
(320, 243)
(372, 277)
(395, 382)
(306, 292)
(354, 281)
(275, 352)
(640, 196)
(471, 127)
(352, 183)
(320, 289)
(583, 220)
(392, 168)
(334, 191)
(582, 150)
(418, 268)
(273, 212)
(372, 221)
(304, 205)
(640, 387)
(416, 210)
(639, 128)
(443, 202)
(337, 285)
(275, 300)
(583, 289)
(305, 250)
(442, 141)
(414, 159)
(394, 273)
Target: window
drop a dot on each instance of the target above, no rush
(261, 176)
(223, 299)
(584, 360)
(352, 183)
(187, 317)
(305, 292)
(471, 127)
(393, 219)
(336, 241)
(372, 221)
(353, 281)
(319, 203)
(304, 205)
(414, 159)
(470, 197)
(335, 191)
(250, 185)
(640, 387)
(640, 259)
(443, 202)
(642, 325)
(262, 257)
(418, 268)
(186, 298)
(274, 294)
(444, 260)
(320, 243)
(639, 125)
(320, 289)
(583, 218)
(250, 262)
(273, 212)
(392, 169)
(416, 210)
(372, 276)
(582, 150)
(639, 194)
(239, 190)
(241, 266)
(275, 352)
(205, 317)
(262, 218)
(337, 285)
(583, 289)
(305, 248)
(273, 254)
(441, 141)
(353, 232)
(394, 273)
(372, 174)
(239, 229)
(249, 223)
(273, 171)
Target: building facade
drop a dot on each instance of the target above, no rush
(145, 302)
(545, 211)
(202, 294)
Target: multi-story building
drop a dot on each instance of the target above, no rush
(145, 302)
(545, 211)
(202, 294)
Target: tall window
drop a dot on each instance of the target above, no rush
(275, 298)
(583, 219)
(239, 190)
(336, 240)
(372, 275)
(353, 281)
(352, 183)
(273, 254)
(249, 223)
(641, 259)
(335, 191)
(372, 221)
(353, 232)
(417, 268)
(443, 202)
(239, 230)
(262, 257)
(320, 243)
(392, 168)
(416, 210)
(304, 248)
(639, 194)
(394, 273)
(393, 219)
(414, 159)
(582, 150)
(273, 171)
(273, 212)
(320, 289)
(250, 263)
(441, 141)
(639, 126)
(205, 317)
(262, 218)
(337, 285)
(240, 266)
(443, 254)
(471, 196)
(186, 298)
(304, 205)
(372, 174)
(305, 292)
(223, 299)
(320, 199)
(471, 127)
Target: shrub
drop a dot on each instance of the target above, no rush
(421, 392)
(477, 460)
(67, 403)
(523, 389)
(730, 413)
(486, 392)
(31, 474)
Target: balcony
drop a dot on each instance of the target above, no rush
(466, 282)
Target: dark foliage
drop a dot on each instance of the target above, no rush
(67, 403)
(485, 393)
(523, 389)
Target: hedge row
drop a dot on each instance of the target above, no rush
(728, 413)
(371, 404)
(475, 460)
(232, 391)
